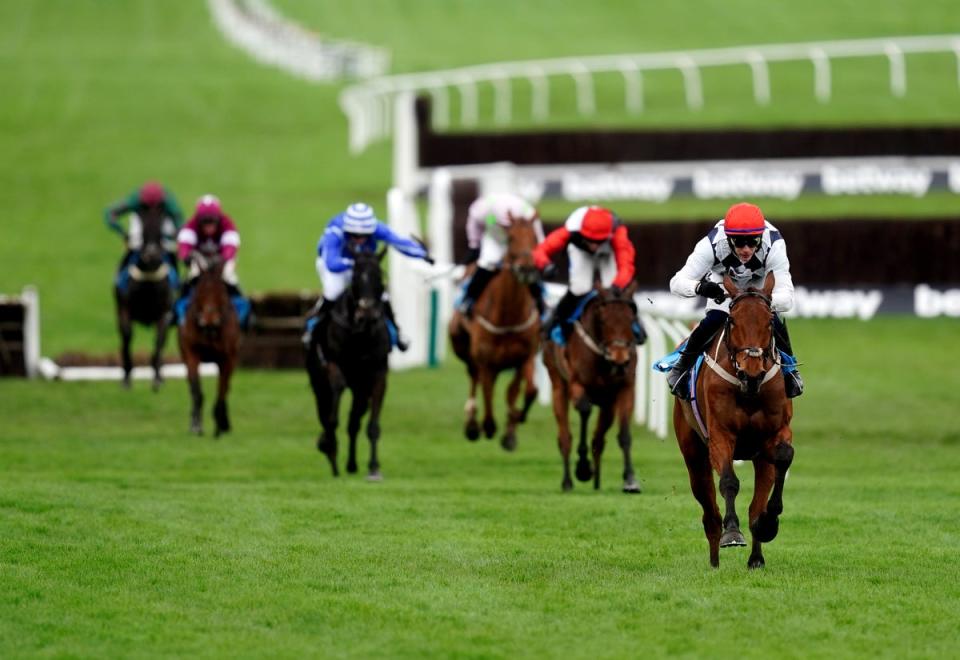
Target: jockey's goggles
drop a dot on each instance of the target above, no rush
(745, 241)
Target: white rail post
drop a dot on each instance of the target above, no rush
(405, 148)
(441, 106)
(898, 70)
(586, 105)
(540, 102)
(503, 101)
(632, 86)
(691, 82)
(440, 235)
(31, 330)
(761, 78)
(821, 71)
(468, 101)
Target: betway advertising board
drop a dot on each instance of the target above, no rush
(851, 303)
(781, 179)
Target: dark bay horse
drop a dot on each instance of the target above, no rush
(745, 415)
(597, 367)
(210, 332)
(355, 343)
(144, 294)
(503, 334)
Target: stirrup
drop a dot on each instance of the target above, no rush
(793, 384)
(402, 343)
(681, 388)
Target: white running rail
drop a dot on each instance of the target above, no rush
(368, 105)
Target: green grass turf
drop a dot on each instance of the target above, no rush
(120, 534)
(99, 98)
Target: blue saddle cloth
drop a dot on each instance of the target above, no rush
(241, 305)
(123, 279)
(391, 329)
(556, 334)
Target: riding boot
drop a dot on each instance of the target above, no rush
(481, 278)
(698, 341)
(792, 382)
(186, 286)
(316, 323)
(536, 290)
(401, 341)
(561, 315)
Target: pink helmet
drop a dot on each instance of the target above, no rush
(151, 193)
(208, 206)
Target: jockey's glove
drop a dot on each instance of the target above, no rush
(709, 289)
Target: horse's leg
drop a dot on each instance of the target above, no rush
(509, 440)
(328, 411)
(624, 413)
(604, 422)
(721, 455)
(358, 408)
(697, 458)
(125, 325)
(373, 424)
(487, 379)
(561, 411)
(220, 414)
(763, 476)
(767, 524)
(471, 428)
(159, 343)
(196, 394)
(530, 382)
(582, 403)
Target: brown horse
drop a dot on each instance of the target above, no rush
(210, 332)
(504, 333)
(597, 367)
(745, 416)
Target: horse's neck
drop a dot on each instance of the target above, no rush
(514, 301)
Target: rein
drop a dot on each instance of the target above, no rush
(601, 348)
(507, 329)
(148, 276)
(767, 353)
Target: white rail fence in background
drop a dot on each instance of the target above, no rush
(369, 105)
(255, 27)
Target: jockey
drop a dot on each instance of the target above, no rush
(597, 243)
(487, 242)
(210, 232)
(355, 229)
(746, 247)
(150, 195)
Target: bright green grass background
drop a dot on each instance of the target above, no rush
(99, 96)
(123, 535)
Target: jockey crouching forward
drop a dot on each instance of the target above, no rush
(151, 197)
(746, 247)
(597, 246)
(487, 219)
(356, 229)
(211, 232)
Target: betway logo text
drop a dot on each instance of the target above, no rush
(579, 187)
(875, 180)
(836, 303)
(928, 302)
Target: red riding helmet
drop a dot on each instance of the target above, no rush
(743, 219)
(597, 223)
(208, 206)
(151, 193)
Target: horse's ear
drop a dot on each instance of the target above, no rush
(382, 253)
(768, 284)
(631, 289)
(731, 288)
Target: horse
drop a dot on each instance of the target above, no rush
(355, 343)
(210, 332)
(144, 293)
(503, 334)
(597, 367)
(744, 415)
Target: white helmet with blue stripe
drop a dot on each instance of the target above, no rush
(359, 219)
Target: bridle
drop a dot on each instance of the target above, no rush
(603, 348)
(766, 353)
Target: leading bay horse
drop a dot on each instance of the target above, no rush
(503, 334)
(597, 367)
(355, 343)
(210, 332)
(144, 293)
(744, 415)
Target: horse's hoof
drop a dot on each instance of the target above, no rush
(489, 428)
(567, 485)
(584, 471)
(765, 528)
(632, 486)
(351, 467)
(157, 384)
(732, 539)
(196, 429)
(375, 476)
(472, 430)
(509, 441)
(755, 561)
(126, 383)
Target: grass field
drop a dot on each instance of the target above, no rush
(123, 535)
